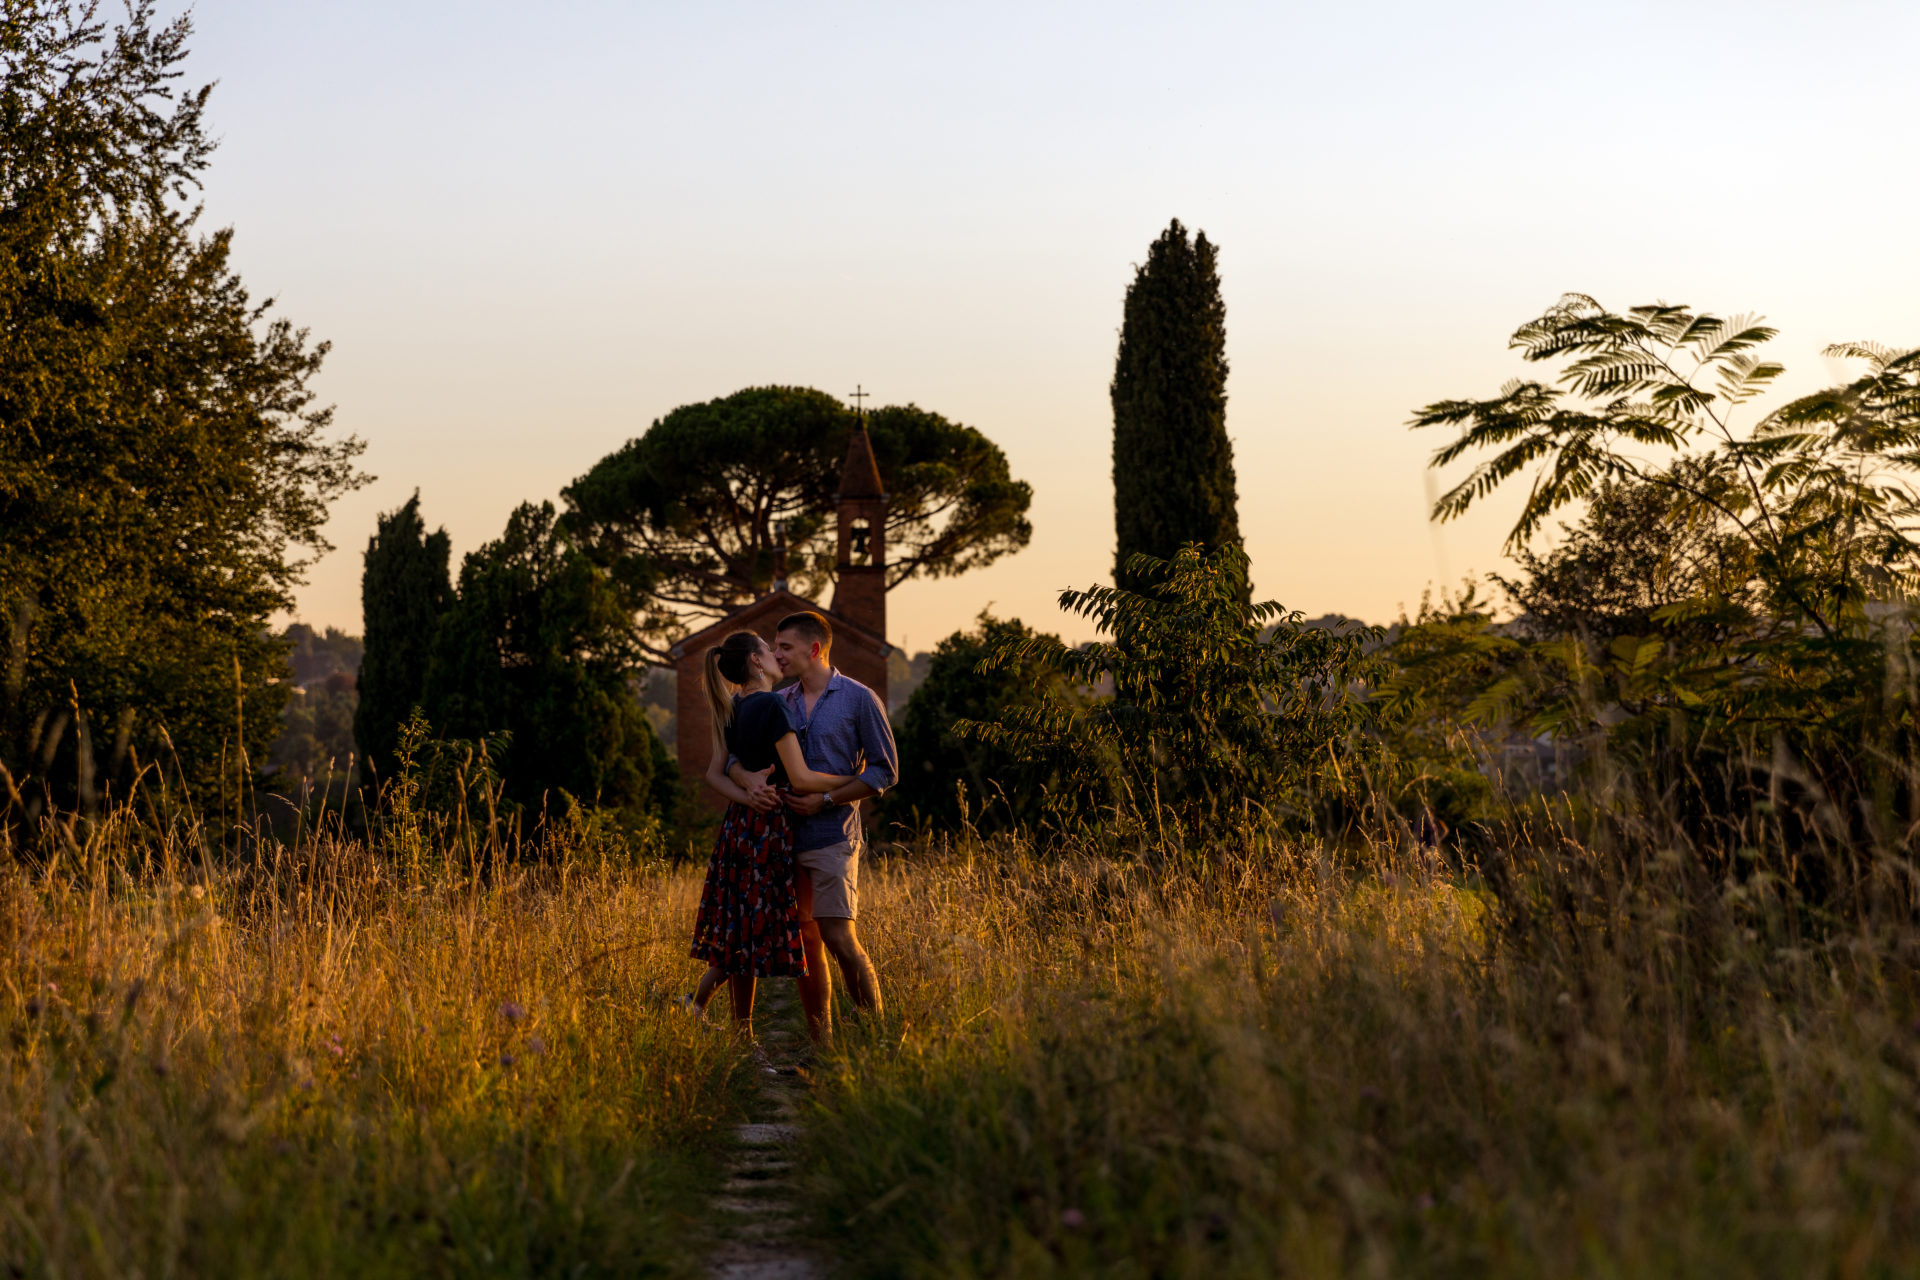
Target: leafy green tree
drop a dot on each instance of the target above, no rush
(405, 590)
(1766, 641)
(1173, 480)
(1818, 489)
(164, 473)
(688, 514)
(1626, 572)
(1216, 703)
(1636, 554)
(962, 684)
(539, 645)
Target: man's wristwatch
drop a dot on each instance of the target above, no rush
(828, 797)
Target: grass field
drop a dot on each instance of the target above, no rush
(1244, 1065)
(1286, 1067)
(317, 1069)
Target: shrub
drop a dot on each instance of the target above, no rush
(948, 778)
(1728, 627)
(1218, 706)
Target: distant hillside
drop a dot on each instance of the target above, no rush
(904, 675)
(316, 733)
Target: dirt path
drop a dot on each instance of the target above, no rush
(757, 1212)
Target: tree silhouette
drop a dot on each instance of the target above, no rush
(404, 591)
(689, 513)
(1173, 480)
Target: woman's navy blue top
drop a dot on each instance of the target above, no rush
(759, 721)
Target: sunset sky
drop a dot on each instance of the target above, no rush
(531, 230)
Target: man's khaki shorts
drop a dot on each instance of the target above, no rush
(835, 871)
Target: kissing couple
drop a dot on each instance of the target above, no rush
(783, 884)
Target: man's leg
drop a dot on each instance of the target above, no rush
(843, 940)
(816, 985)
(740, 986)
(836, 901)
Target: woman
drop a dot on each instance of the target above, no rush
(749, 921)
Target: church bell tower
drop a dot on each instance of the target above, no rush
(860, 569)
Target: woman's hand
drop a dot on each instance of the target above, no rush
(761, 794)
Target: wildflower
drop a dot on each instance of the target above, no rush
(506, 1059)
(1072, 1219)
(335, 1048)
(536, 1046)
(512, 1012)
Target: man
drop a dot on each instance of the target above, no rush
(843, 728)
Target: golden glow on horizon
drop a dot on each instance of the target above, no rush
(528, 243)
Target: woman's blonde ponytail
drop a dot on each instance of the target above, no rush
(726, 670)
(719, 692)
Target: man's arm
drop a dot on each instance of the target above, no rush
(881, 769)
(845, 793)
(876, 743)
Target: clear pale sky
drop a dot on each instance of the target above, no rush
(531, 230)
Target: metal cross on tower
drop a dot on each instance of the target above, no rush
(858, 396)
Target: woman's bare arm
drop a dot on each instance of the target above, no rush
(799, 777)
(717, 771)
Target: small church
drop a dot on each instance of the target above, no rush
(858, 611)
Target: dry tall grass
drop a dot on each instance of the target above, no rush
(331, 1060)
(319, 1065)
(1291, 1067)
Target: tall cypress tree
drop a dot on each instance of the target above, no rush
(1172, 462)
(540, 642)
(404, 590)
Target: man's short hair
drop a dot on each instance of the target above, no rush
(813, 626)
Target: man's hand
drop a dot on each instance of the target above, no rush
(806, 805)
(761, 794)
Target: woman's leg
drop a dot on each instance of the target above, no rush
(709, 983)
(816, 985)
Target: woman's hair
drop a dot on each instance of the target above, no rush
(727, 668)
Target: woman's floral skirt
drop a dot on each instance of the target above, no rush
(749, 921)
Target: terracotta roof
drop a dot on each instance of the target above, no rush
(778, 604)
(860, 477)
